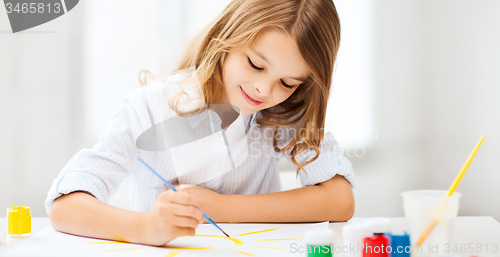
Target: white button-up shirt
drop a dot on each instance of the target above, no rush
(206, 158)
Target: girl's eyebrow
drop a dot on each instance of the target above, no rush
(264, 58)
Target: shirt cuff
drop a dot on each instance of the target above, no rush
(76, 181)
(327, 166)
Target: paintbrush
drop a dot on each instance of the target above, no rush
(173, 188)
(452, 188)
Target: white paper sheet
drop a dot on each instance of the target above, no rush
(272, 239)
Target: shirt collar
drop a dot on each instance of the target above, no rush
(194, 121)
(252, 118)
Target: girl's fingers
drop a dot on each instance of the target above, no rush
(184, 199)
(185, 222)
(188, 212)
(184, 186)
(176, 185)
(183, 231)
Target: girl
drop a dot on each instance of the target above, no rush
(272, 61)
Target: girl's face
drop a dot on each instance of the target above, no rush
(263, 75)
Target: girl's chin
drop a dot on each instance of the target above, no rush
(246, 112)
(243, 112)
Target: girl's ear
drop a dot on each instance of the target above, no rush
(223, 58)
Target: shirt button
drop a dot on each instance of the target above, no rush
(217, 164)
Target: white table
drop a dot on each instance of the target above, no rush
(468, 230)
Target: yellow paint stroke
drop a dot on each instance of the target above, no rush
(277, 239)
(107, 242)
(251, 254)
(172, 254)
(190, 248)
(237, 242)
(124, 249)
(269, 247)
(267, 230)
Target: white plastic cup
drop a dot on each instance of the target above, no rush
(420, 207)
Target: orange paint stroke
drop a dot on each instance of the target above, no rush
(237, 242)
(251, 254)
(172, 254)
(267, 230)
(107, 242)
(189, 248)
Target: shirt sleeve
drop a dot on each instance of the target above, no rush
(99, 171)
(329, 163)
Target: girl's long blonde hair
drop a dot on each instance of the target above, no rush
(315, 27)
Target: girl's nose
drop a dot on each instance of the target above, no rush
(264, 89)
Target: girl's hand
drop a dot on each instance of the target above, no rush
(174, 214)
(208, 199)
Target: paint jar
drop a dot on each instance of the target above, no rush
(18, 221)
(319, 242)
(420, 208)
(379, 244)
(400, 244)
(380, 225)
(353, 234)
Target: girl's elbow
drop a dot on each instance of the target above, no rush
(340, 198)
(343, 211)
(59, 211)
(349, 211)
(55, 215)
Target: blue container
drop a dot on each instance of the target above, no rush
(400, 245)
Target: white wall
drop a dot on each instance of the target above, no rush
(40, 92)
(437, 87)
(463, 99)
(393, 162)
(435, 83)
(119, 43)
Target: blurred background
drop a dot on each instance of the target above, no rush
(417, 82)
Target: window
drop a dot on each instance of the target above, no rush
(349, 114)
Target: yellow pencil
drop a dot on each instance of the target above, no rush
(452, 188)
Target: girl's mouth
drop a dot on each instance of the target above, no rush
(248, 99)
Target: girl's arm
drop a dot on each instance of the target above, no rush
(174, 214)
(331, 200)
(81, 214)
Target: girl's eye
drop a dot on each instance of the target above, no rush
(253, 65)
(285, 84)
(257, 68)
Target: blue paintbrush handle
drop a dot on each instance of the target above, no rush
(158, 175)
(173, 188)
